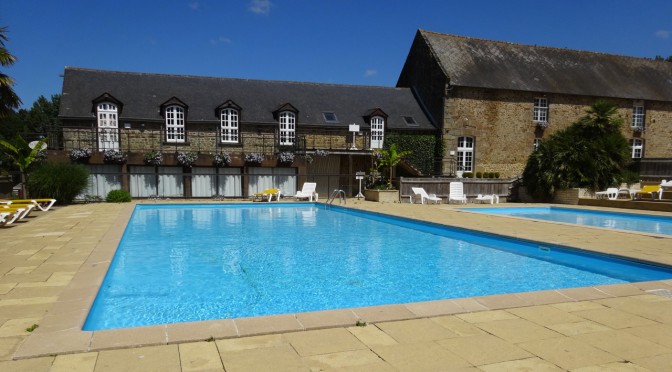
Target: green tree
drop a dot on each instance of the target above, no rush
(8, 99)
(22, 155)
(591, 153)
(390, 158)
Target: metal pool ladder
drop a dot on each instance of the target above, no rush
(340, 194)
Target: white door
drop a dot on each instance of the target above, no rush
(377, 132)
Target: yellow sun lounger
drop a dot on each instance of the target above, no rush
(267, 195)
(651, 190)
(43, 204)
(10, 215)
(24, 208)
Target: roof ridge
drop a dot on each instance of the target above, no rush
(135, 73)
(582, 51)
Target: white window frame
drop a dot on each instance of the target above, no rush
(638, 115)
(175, 132)
(540, 112)
(377, 132)
(537, 143)
(637, 148)
(229, 125)
(465, 153)
(287, 122)
(108, 126)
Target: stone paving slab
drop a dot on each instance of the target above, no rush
(52, 266)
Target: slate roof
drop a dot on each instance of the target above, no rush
(142, 95)
(501, 65)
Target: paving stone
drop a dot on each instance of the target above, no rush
(428, 356)
(545, 315)
(457, 326)
(569, 353)
(577, 328)
(530, 364)
(275, 358)
(163, 358)
(486, 316)
(484, 349)
(371, 335)
(517, 330)
(323, 341)
(252, 342)
(623, 344)
(416, 330)
(27, 365)
(656, 363)
(200, 357)
(362, 357)
(85, 362)
(614, 367)
(613, 318)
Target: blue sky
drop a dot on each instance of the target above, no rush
(363, 42)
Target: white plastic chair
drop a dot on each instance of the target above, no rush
(457, 193)
(424, 196)
(307, 191)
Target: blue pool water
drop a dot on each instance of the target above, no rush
(178, 263)
(614, 220)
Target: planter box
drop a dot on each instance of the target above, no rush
(383, 196)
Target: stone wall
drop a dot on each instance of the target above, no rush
(501, 123)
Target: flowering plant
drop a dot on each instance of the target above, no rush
(254, 157)
(286, 157)
(222, 160)
(80, 154)
(542, 124)
(186, 159)
(113, 156)
(321, 152)
(154, 158)
(638, 128)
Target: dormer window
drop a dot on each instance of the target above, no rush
(286, 116)
(376, 119)
(174, 112)
(287, 121)
(175, 124)
(107, 109)
(638, 116)
(229, 118)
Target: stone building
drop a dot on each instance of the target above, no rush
(289, 132)
(494, 101)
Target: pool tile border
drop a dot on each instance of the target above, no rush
(61, 332)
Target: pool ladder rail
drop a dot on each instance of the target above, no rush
(340, 194)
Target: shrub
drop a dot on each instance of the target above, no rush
(479, 175)
(496, 174)
(186, 159)
(222, 160)
(467, 175)
(153, 158)
(62, 182)
(118, 196)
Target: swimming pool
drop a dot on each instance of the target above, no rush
(613, 220)
(178, 263)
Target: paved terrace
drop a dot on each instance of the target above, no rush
(51, 267)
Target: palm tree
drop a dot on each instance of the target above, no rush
(8, 99)
(22, 155)
(390, 159)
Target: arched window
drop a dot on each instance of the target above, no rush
(465, 154)
(175, 124)
(377, 132)
(108, 126)
(229, 125)
(287, 121)
(637, 147)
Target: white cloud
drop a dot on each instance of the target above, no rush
(260, 6)
(663, 34)
(220, 40)
(370, 72)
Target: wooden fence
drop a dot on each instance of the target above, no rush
(504, 188)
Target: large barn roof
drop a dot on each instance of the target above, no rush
(482, 63)
(142, 95)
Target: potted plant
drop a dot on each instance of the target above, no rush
(381, 189)
(222, 160)
(112, 156)
(254, 158)
(186, 159)
(154, 158)
(286, 157)
(81, 155)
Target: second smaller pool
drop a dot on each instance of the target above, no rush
(613, 220)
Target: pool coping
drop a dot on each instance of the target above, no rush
(60, 330)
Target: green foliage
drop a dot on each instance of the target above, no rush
(470, 175)
(425, 147)
(9, 100)
(118, 196)
(387, 159)
(60, 181)
(479, 175)
(591, 153)
(496, 175)
(21, 155)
